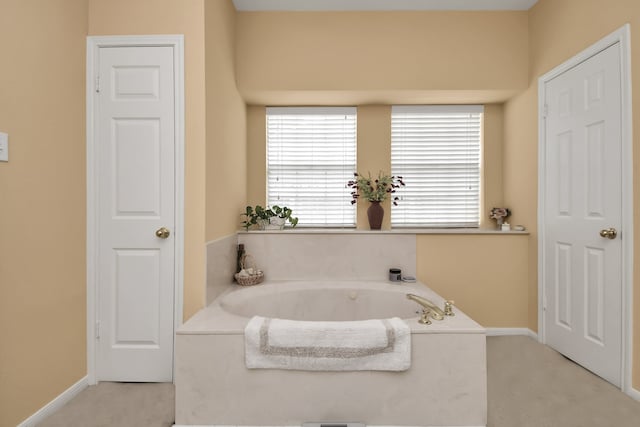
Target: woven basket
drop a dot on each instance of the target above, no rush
(247, 262)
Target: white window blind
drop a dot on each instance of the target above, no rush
(311, 155)
(436, 149)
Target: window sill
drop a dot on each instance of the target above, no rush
(454, 231)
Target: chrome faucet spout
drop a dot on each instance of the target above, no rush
(434, 311)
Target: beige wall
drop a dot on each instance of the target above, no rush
(486, 275)
(492, 162)
(226, 167)
(42, 203)
(374, 154)
(559, 29)
(124, 17)
(520, 186)
(256, 155)
(380, 57)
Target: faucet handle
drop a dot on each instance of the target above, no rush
(424, 317)
(448, 308)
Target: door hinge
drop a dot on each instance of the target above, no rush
(98, 330)
(545, 111)
(98, 84)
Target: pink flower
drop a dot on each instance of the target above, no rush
(499, 213)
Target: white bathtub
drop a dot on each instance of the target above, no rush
(445, 386)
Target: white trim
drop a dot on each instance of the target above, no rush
(179, 89)
(346, 5)
(93, 44)
(633, 393)
(92, 231)
(627, 211)
(623, 37)
(57, 403)
(541, 206)
(501, 332)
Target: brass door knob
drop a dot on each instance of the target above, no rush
(609, 233)
(163, 232)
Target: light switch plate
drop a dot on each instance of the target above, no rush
(4, 147)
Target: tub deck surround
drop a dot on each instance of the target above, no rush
(445, 385)
(330, 255)
(221, 265)
(417, 231)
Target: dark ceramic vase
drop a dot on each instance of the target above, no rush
(375, 214)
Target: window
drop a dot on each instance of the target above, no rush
(436, 149)
(311, 154)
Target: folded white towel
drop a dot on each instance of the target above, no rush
(366, 345)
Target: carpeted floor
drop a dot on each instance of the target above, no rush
(529, 385)
(118, 404)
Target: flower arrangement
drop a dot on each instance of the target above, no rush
(499, 214)
(374, 190)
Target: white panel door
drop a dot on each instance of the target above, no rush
(583, 196)
(136, 184)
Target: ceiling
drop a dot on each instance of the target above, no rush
(355, 5)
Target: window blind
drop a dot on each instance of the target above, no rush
(436, 149)
(311, 155)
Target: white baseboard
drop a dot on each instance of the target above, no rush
(633, 393)
(498, 332)
(55, 404)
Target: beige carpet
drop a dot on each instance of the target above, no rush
(530, 385)
(118, 404)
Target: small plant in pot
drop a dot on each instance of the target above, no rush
(269, 218)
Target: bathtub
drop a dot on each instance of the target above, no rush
(445, 385)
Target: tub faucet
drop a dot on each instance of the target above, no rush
(429, 308)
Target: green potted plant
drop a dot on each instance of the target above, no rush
(269, 218)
